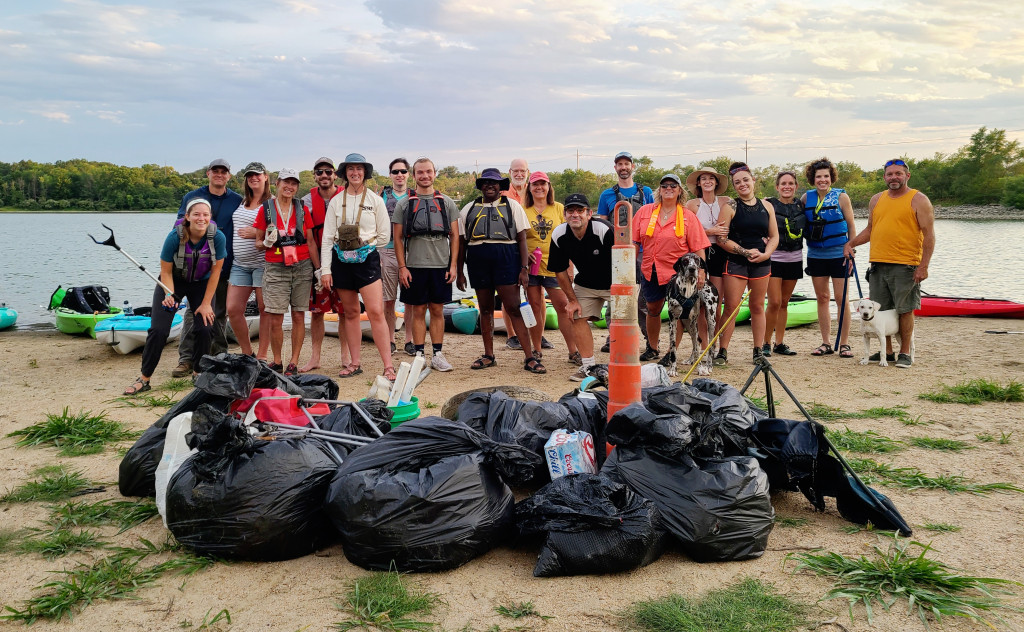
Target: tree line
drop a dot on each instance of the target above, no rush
(987, 170)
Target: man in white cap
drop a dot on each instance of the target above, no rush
(223, 202)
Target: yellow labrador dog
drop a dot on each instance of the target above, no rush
(875, 323)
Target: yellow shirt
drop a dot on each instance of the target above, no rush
(539, 233)
(896, 236)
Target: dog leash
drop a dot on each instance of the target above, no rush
(712, 342)
(842, 308)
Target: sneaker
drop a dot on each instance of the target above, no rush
(184, 369)
(410, 349)
(580, 375)
(722, 358)
(904, 361)
(576, 358)
(766, 350)
(607, 345)
(649, 354)
(439, 363)
(758, 354)
(877, 357)
(393, 348)
(544, 344)
(513, 343)
(783, 349)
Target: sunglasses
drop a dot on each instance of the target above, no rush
(897, 162)
(320, 172)
(575, 210)
(395, 172)
(733, 172)
(670, 185)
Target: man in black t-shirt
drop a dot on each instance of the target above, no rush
(587, 244)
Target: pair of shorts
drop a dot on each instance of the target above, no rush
(743, 269)
(389, 273)
(544, 281)
(651, 290)
(240, 276)
(835, 268)
(787, 270)
(592, 302)
(324, 301)
(287, 287)
(716, 260)
(892, 286)
(491, 265)
(354, 276)
(428, 285)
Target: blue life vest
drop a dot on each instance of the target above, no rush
(826, 227)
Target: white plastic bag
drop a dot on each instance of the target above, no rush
(175, 453)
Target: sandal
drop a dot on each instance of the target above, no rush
(389, 374)
(351, 370)
(533, 365)
(845, 351)
(292, 369)
(483, 362)
(824, 349)
(277, 367)
(138, 386)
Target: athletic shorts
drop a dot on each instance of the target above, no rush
(286, 288)
(427, 286)
(892, 286)
(835, 268)
(324, 301)
(543, 281)
(354, 276)
(716, 260)
(389, 273)
(240, 276)
(592, 302)
(787, 270)
(651, 290)
(491, 265)
(743, 269)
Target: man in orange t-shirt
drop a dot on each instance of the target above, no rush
(901, 229)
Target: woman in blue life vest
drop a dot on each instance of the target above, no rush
(190, 263)
(829, 215)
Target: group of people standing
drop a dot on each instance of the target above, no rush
(344, 248)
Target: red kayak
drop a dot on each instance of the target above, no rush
(979, 307)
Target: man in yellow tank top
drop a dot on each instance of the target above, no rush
(901, 229)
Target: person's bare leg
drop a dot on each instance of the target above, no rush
(276, 335)
(299, 334)
(417, 315)
(821, 293)
(353, 332)
(436, 323)
(390, 318)
(485, 303)
(771, 313)
(373, 301)
(734, 288)
(509, 295)
(654, 323)
(758, 287)
(584, 337)
(783, 314)
(906, 332)
(565, 326)
(316, 327)
(237, 297)
(264, 340)
(535, 296)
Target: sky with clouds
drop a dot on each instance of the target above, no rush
(473, 83)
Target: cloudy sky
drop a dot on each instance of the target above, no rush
(474, 83)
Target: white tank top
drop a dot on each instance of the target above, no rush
(708, 216)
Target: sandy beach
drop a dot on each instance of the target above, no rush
(42, 372)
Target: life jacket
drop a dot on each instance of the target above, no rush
(826, 226)
(792, 223)
(490, 222)
(636, 200)
(318, 211)
(191, 263)
(270, 217)
(84, 300)
(430, 221)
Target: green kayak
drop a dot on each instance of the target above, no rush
(74, 323)
(801, 311)
(91, 305)
(466, 319)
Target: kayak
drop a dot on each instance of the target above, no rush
(977, 307)
(331, 324)
(464, 317)
(91, 303)
(8, 316)
(802, 310)
(127, 333)
(74, 323)
(664, 316)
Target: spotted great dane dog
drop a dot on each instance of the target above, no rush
(685, 301)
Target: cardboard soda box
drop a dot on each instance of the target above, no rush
(570, 453)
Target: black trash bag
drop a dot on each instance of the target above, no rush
(228, 374)
(677, 398)
(316, 386)
(719, 509)
(245, 498)
(427, 496)
(591, 415)
(796, 454)
(268, 378)
(592, 525)
(636, 426)
(137, 472)
(725, 431)
(345, 419)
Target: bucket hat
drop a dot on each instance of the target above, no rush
(356, 159)
(493, 175)
(691, 180)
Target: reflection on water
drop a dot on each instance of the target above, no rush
(45, 250)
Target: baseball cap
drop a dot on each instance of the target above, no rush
(623, 154)
(323, 160)
(576, 199)
(219, 162)
(539, 175)
(286, 174)
(254, 167)
(671, 176)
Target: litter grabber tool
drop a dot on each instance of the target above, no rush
(358, 408)
(993, 331)
(309, 427)
(109, 241)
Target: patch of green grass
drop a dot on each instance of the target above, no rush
(940, 527)
(59, 543)
(749, 605)
(899, 572)
(863, 442)
(1004, 438)
(985, 437)
(976, 391)
(222, 617)
(786, 521)
(824, 412)
(125, 514)
(74, 434)
(383, 601)
(33, 363)
(9, 538)
(165, 400)
(761, 401)
(932, 443)
(518, 610)
(429, 405)
(55, 484)
(177, 385)
(912, 478)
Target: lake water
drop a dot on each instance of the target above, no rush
(51, 249)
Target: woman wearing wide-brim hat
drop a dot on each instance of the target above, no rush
(707, 187)
(356, 224)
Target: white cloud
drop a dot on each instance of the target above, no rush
(61, 117)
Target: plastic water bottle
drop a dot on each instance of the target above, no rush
(535, 266)
(126, 309)
(527, 311)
